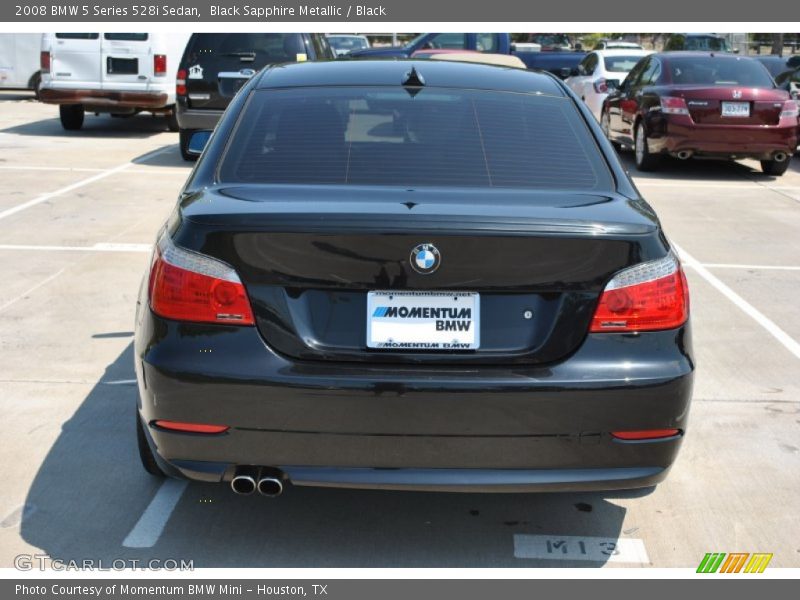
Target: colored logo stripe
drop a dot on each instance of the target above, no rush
(711, 562)
(758, 562)
(380, 311)
(734, 562)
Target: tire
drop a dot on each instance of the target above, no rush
(641, 151)
(145, 453)
(36, 83)
(172, 120)
(605, 125)
(71, 116)
(773, 167)
(184, 136)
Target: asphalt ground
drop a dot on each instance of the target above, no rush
(78, 213)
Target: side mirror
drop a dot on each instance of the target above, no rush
(794, 62)
(575, 71)
(197, 142)
(612, 85)
(736, 50)
(578, 47)
(564, 72)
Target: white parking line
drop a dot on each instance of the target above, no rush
(30, 290)
(32, 168)
(78, 184)
(779, 334)
(750, 267)
(151, 524)
(99, 247)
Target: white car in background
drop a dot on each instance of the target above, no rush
(345, 43)
(590, 80)
(19, 61)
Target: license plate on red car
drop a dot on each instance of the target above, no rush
(735, 109)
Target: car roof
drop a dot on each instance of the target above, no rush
(389, 72)
(623, 52)
(697, 54)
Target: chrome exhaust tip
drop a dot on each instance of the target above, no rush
(244, 480)
(685, 154)
(270, 487)
(780, 157)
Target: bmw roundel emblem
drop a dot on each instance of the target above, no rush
(425, 258)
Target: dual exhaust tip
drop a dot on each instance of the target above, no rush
(248, 480)
(687, 154)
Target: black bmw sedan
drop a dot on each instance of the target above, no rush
(411, 275)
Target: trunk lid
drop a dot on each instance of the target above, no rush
(762, 105)
(309, 255)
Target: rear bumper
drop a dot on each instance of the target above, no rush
(196, 119)
(741, 141)
(106, 99)
(438, 428)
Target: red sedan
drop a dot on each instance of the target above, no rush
(687, 104)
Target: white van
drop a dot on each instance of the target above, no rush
(19, 61)
(117, 73)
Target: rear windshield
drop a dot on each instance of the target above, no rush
(711, 70)
(77, 36)
(427, 137)
(706, 43)
(622, 64)
(262, 48)
(126, 37)
(347, 43)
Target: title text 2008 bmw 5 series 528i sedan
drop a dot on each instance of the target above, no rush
(412, 275)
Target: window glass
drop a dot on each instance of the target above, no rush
(435, 137)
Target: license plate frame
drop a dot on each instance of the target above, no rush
(409, 330)
(735, 110)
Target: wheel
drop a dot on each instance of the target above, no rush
(184, 136)
(145, 453)
(172, 121)
(36, 83)
(773, 167)
(71, 116)
(605, 125)
(644, 160)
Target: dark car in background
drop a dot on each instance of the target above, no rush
(785, 71)
(380, 276)
(710, 105)
(215, 65)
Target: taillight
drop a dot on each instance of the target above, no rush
(160, 64)
(650, 296)
(601, 86)
(187, 286)
(647, 434)
(791, 109)
(44, 61)
(672, 105)
(191, 427)
(180, 83)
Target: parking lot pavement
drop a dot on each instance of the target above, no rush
(78, 211)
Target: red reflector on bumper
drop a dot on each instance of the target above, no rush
(191, 427)
(648, 434)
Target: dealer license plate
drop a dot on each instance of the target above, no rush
(430, 321)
